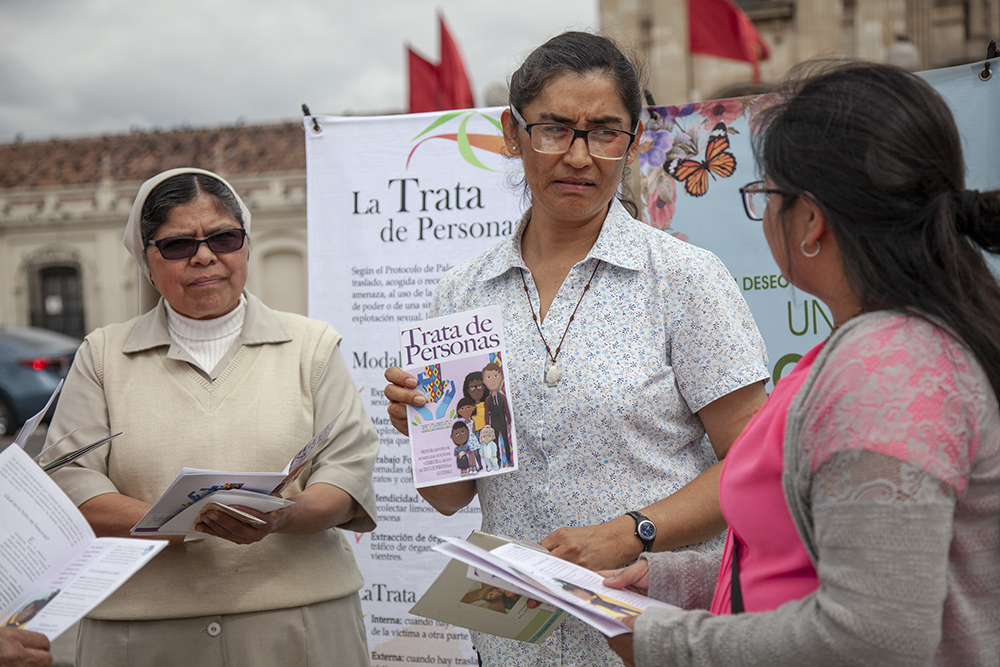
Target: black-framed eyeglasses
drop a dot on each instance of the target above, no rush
(755, 196)
(555, 138)
(182, 247)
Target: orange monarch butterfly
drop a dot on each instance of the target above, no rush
(718, 161)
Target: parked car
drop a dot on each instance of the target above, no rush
(32, 361)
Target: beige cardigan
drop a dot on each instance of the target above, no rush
(283, 380)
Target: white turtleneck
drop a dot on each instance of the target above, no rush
(207, 341)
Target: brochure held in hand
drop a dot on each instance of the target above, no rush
(535, 574)
(53, 569)
(477, 601)
(465, 430)
(196, 491)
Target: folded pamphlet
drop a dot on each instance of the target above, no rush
(53, 569)
(559, 583)
(180, 507)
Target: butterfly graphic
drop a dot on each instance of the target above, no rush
(718, 162)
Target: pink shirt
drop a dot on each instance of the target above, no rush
(774, 564)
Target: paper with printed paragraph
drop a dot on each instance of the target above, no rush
(53, 570)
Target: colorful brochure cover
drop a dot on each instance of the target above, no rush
(466, 428)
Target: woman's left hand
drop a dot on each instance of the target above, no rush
(605, 546)
(634, 577)
(318, 508)
(230, 528)
(622, 644)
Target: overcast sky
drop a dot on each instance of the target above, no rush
(79, 67)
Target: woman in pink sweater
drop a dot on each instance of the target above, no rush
(864, 499)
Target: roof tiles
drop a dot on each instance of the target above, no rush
(228, 151)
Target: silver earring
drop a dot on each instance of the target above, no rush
(809, 254)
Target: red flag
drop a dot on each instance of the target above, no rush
(456, 92)
(720, 28)
(439, 87)
(423, 83)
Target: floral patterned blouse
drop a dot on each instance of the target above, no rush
(662, 332)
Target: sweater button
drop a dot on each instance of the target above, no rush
(214, 629)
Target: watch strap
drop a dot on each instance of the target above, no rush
(647, 544)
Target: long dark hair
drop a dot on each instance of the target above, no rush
(878, 150)
(581, 53)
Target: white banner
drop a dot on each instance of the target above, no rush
(395, 201)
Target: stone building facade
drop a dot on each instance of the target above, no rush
(64, 204)
(936, 33)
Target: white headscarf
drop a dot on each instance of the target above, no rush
(148, 295)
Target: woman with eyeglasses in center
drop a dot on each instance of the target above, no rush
(212, 378)
(864, 500)
(631, 356)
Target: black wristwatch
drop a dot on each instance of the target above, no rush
(645, 530)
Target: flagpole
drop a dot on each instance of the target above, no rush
(691, 88)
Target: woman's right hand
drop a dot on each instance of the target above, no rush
(23, 648)
(635, 577)
(401, 392)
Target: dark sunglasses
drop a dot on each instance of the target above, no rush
(181, 247)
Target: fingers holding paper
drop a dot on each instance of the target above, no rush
(596, 547)
(23, 648)
(320, 507)
(227, 526)
(634, 578)
(401, 391)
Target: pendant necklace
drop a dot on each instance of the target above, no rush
(553, 374)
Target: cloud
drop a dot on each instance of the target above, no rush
(76, 67)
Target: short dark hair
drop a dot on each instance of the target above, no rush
(877, 149)
(459, 424)
(580, 53)
(180, 190)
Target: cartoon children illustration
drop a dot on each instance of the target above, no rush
(466, 409)
(460, 436)
(488, 441)
(474, 390)
(497, 412)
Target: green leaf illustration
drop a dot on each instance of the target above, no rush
(440, 121)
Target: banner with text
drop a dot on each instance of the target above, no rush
(395, 201)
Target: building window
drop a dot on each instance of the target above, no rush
(57, 299)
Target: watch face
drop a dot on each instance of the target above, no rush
(646, 529)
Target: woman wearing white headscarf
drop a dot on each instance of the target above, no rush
(211, 378)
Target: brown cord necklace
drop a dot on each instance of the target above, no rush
(553, 374)
(860, 311)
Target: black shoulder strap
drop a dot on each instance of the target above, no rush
(735, 594)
